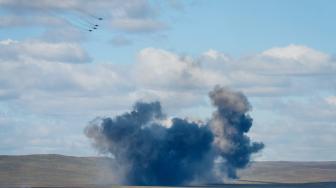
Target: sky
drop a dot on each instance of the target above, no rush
(56, 76)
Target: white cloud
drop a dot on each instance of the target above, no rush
(138, 25)
(161, 69)
(128, 15)
(31, 76)
(8, 42)
(212, 54)
(42, 135)
(46, 87)
(28, 72)
(28, 21)
(292, 59)
(331, 100)
(33, 85)
(296, 53)
(310, 109)
(291, 124)
(39, 50)
(254, 75)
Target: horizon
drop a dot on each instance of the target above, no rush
(105, 156)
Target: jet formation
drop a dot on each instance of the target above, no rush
(86, 21)
(95, 26)
(78, 18)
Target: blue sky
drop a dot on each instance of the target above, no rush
(242, 28)
(55, 76)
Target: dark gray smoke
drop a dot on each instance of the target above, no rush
(148, 152)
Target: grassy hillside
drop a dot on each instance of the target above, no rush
(289, 172)
(58, 170)
(53, 170)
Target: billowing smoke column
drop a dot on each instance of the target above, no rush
(229, 125)
(148, 152)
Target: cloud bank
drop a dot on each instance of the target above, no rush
(63, 52)
(39, 88)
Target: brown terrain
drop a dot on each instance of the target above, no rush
(67, 171)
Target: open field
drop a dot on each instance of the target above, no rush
(66, 171)
(302, 185)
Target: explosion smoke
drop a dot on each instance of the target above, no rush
(149, 153)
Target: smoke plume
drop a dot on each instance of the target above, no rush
(148, 152)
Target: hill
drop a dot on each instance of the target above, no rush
(53, 170)
(58, 170)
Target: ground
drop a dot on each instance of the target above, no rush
(67, 171)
